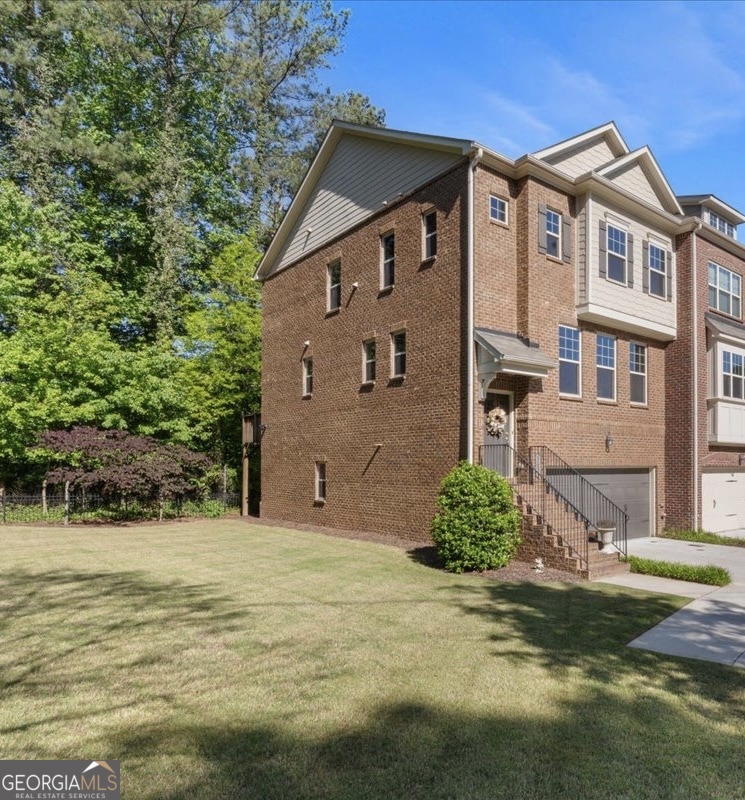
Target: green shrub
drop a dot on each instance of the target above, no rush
(709, 574)
(477, 526)
(702, 536)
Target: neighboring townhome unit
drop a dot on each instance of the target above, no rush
(451, 303)
(705, 393)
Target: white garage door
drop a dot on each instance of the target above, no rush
(723, 501)
(630, 490)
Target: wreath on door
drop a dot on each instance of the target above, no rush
(496, 422)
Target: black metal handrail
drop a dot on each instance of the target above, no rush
(540, 497)
(597, 509)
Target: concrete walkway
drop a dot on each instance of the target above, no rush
(712, 626)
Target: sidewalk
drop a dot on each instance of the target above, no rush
(712, 626)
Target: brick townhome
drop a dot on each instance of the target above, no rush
(418, 282)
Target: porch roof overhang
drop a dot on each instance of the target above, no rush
(724, 329)
(498, 352)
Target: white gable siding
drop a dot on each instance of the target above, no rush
(611, 299)
(359, 176)
(578, 162)
(635, 181)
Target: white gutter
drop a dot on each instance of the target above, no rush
(694, 375)
(476, 156)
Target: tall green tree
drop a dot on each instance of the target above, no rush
(222, 369)
(151, 136)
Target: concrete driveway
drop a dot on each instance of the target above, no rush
(712, 626)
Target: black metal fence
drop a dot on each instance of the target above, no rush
(56, 509)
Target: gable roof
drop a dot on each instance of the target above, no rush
(360, 170)
(301, 230)
(648, 163)
(607, 133)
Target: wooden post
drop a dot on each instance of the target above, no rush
(246, 440)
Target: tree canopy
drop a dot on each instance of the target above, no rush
(148, 149)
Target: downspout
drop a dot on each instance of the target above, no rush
(694, 375)
(476, 156)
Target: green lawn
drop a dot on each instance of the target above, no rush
(226, 660)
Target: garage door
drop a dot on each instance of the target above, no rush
(723, 501)
(630, 490)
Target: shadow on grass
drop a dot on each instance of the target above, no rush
(427, 556)
(63, 628)
(588, 627)
(596, 747)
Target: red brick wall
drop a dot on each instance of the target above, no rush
(386, 447)
(679, 392)
(682, 512)
(541, 294)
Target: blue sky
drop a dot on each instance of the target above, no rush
(518, 76)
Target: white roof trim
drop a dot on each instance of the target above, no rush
(713, 202)
(512, 354)
(609, 132)
(338, 129)
(643, 156)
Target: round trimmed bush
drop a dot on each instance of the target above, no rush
(477, 526)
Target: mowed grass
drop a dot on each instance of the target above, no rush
(223, 659)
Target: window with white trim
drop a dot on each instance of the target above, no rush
(725, 289)
(638, 373)
(368, 361)
(657, 271)
(334, 285)
(387, 260)
(617, 254)
(569, 361)
(553, 233)
(606, 367)
(307, 377)
(429, 231)
(497, 209)
(732, 375)
(398, 354)
(721, 224)
(320, 481)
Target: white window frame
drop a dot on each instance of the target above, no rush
(730, 376)
(624, 258)
(333, 290)
(308, 376)
(721, 224)
(320, 482)
(659, 269)
(554, 236)
(577, 362)
(387, 261)
(369, 364)
(396, 355)
(604, 366)
(498, 209)
(429, 237)
(730, 294)
(634, 369)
